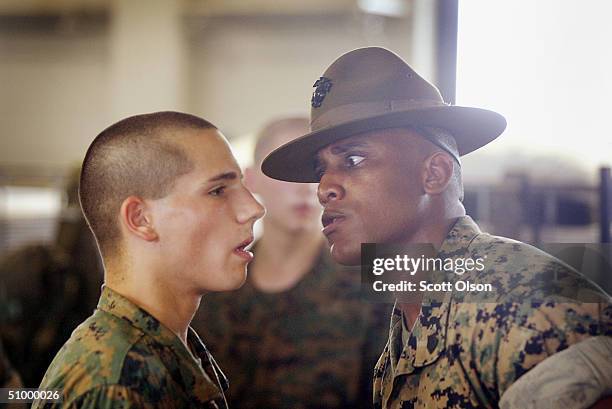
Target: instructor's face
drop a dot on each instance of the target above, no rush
(370, 186)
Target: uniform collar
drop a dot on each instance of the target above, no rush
(459, 238)
(427, 339)
(190, 363)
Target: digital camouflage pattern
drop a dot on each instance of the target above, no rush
(312, 346)
(467, 354)
(122, 357)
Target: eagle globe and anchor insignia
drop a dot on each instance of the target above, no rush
(322, 87)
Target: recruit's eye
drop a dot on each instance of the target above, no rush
(218, 191)
(353, 160)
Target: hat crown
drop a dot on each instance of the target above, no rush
(371, 76)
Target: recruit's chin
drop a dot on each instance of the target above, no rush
(232, 277)
(238, 278)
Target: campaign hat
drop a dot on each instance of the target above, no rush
(373, 88)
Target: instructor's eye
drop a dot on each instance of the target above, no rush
(319, 172)
(217, 191)
(353, 160)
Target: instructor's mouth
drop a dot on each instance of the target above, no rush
(330, 221)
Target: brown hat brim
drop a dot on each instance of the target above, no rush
(471, 127)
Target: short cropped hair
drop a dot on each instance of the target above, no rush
(136, 156)
(446, 139)
(274, 128)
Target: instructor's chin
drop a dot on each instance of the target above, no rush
(345, 256)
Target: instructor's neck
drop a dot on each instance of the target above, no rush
(436, 236)
(436, 233)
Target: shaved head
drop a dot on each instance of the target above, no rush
(137, 156)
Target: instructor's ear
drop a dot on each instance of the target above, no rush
(136, 218)
(437, 172)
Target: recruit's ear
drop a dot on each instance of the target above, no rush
(438, 171)
(136, 218)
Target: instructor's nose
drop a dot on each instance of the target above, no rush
(329, 189)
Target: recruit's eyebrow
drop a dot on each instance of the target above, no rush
(225, 176)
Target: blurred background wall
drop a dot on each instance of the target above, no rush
(69, 68)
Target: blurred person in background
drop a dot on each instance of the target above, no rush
(46, 290)
(297, 334)
(8, 376)
(164, 198)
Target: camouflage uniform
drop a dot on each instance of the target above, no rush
(314, 345)
(122, 357)
(466, 355)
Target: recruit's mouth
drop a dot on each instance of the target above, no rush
(242, 251)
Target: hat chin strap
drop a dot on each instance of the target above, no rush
(362, 110)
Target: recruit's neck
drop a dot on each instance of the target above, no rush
(171, 306)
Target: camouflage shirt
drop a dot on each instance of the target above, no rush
(312, 346)
(122, 357)
(467, 354)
